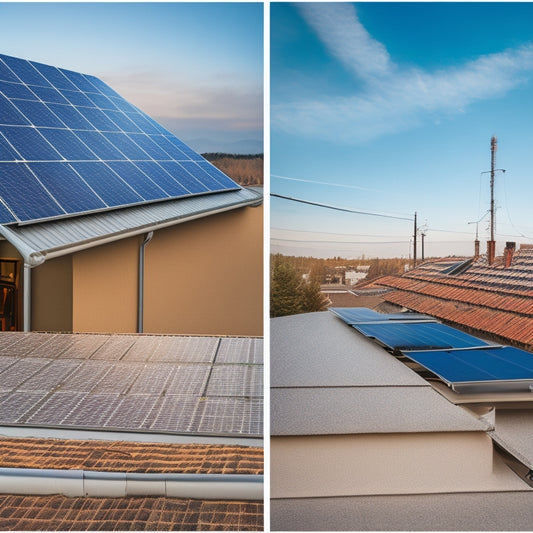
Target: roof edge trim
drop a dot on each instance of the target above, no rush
(34, 257)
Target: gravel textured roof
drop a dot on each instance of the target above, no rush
(328, 379)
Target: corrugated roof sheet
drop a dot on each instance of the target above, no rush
(60, 236)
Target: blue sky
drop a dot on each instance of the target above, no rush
(389, 108)
(195, 67)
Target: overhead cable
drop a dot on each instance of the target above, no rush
(335, 208)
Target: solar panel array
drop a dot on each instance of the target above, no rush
(171, 384)
(462, 361)
(69, 144)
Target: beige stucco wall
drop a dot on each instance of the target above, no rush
(52, 295)
(206, 276)
(104, 288)
(203, 277)
(409, 463)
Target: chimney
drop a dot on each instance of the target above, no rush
(491, 251)
(508, 253)
(476, 248)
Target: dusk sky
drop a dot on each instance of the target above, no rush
(389, 108)
(197, 68)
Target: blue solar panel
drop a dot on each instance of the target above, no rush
(359, 315)
(16, 90)
(117, 155)
(162, 178)
(418, 336)
(24, 195)
(66, 186)
(39, 113)
(9, 114)
(67, 144)
(484, 366)
(30, 144)
(107, 184)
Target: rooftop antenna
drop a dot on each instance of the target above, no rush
(491, 245)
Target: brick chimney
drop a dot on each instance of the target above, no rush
(476, 248)
(508, 253)
(491, 251)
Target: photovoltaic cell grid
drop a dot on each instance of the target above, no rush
(168, 384)
(503, 367)
(361, 315)
(69, 144)
(464, 362)
(418, 336)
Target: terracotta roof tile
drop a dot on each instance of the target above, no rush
(482, 297)
(113, 456)
(59, 513)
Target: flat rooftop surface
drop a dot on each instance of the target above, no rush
(327, 379)
(148, 383)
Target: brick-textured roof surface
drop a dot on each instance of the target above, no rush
(111, 456)
(59, 513)
(487, 298)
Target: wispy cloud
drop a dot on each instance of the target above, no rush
(393, 99)
(230, 105)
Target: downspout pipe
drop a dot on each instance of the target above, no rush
(140, 300)
(81, 483)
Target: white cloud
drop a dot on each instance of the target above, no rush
(346, 38)
(393, 99)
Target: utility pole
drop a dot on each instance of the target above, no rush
(414, 244)
(422, 235)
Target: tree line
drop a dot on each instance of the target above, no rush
(246, 170)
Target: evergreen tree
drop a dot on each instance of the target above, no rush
(284, 289)
(312, 299)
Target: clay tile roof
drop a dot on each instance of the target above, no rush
(492, 299)
(59, 513)
(120, 456)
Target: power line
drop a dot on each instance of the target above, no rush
(323, 183)
(335, 208)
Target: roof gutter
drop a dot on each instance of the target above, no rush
(35, 258)
(81, 483)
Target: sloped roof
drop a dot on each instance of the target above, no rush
(70, 144)
(72, 150)
(486, 298)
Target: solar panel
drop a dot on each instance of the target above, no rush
(361, 315)
(418, 336)
(488, 369)
(60, 126)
